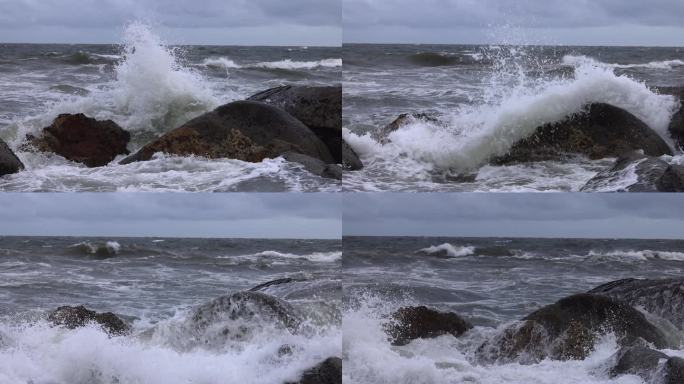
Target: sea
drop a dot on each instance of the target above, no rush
(149, 87)
(488, 97)
(156, 284)
(491, 282)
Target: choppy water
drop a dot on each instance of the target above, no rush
(490, 97)
(490, 282)
(155, 284)
(149, 88)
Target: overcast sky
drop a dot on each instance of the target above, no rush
(259, 215)
(570, 22)
(515, 215)
(220, 22)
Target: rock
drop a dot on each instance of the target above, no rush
(569, 329)
(329, 371)
(350, 160)
(409, 323)
(75, 317)
(319, 108)
(244, 130)
(661, 297)
(602, 131)
(676, 127)
(652, 175)
(239, 316)
(82, 139)
(315, 166)
(382, 136)
(9, 162)
(651, 365)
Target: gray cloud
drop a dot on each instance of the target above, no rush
(293, 22)
(528, 215)
(184, 215)
(631, 22)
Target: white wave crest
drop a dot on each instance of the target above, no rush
(449, 249)
(638, 255)
(583, 60)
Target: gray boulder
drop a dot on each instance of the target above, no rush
(653, 175)
(9, 162)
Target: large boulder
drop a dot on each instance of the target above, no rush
(319, 108)
(569, 329)
(75, 317)
(651, 365)
(244, 130)
(661, 297)
(329, 371)
(601, 131)
(409, 323)
(350, 160)
(9, 162)
(676, 127)
(652, 175)
(82, 139)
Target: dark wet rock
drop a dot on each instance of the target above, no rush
(350, 160)
(244, 130)
(661, 297)
(82, 139)
(286, 280)
(382, 136)
(227, 315)
(409, 323)
(601, 131)
(319, 108)
(651, 365)
(653, 175)
(315, 166)
(569, 329)
(9, 162)
(329, 371)
(75, 317)
(676, 127)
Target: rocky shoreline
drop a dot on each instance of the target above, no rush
(644, 315)
(299, 123)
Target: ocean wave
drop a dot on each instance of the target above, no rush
(448, 250)
(226, 63)
(471, 135)
(105, 249)
(325, 257)
(637, 255)
(586, 60)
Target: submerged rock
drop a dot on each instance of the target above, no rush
(601, 131)
(329, 371)
(652, 175)
(382, 136)
(240, 315)
(319, 108)
(569, 329)
(244, 130)
(350, 160)
(285, 280)
(75, 317)
(82, 139)
(651, 365)
(661, 297)
(409, 323)
(315, 166)
(9, 162)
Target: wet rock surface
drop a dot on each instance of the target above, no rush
(409, 323)
(9, 162)
(82, 139)
(329, 371)
(80, 316)
(350, 160)
(652, 175)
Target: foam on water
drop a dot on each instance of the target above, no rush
(327, 257)
(226, 63)
(41, 354)
(369, 358)
(581, 60)
(450, 250)
(638, 255)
